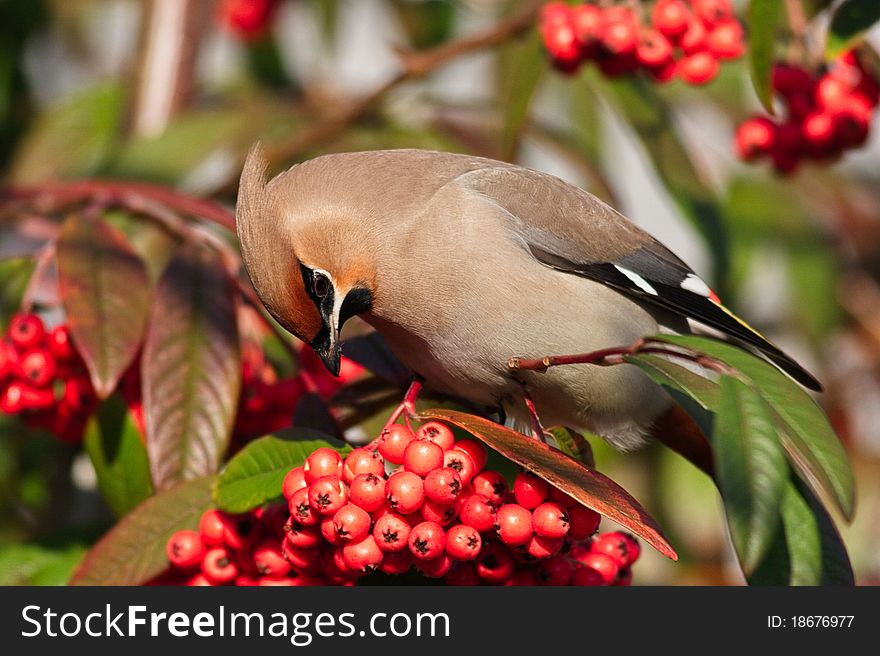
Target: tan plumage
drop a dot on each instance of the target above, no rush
(462, 262)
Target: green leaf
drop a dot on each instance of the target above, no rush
(808, 550)
(763, 21)
(30, 564)
(15, 274)
(813, 449)
(848, 25)
(254, 476)
(105, 289)
(573, 444)
(117, 451)
(71, 139)
(663, 371)
(191, 369)
(133, 551)
(750, 468)
(588, 486)
(526, 65)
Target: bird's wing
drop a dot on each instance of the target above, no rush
(571, 230)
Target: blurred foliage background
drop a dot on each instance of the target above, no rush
(161, 91)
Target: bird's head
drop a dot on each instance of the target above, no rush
(306, 259)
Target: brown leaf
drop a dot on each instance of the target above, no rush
(588, 486)
(191, 369)
(106, 294)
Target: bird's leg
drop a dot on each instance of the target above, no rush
(534, 420)
(407, 406)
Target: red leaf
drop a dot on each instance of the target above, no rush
(191, 371)
(588, 486)
(106, 294)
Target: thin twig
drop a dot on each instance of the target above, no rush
(617, 355)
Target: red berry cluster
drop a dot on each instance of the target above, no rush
(685, 38)
(825, 115)
(233, 550)
(43, 378)
(442, 512)
(246, 19)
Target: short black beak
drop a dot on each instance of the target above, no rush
(330, 355)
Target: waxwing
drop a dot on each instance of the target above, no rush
(460, 263)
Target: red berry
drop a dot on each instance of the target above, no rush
(463, 542)
(219, 566)
(554, 13)
(300, 509)
(694, 39)
(477, 511)
(246, 19)
(327, 494)
(557, 570)
(270, 561)
(391, 532)
(322, 462)
(295, 480)
(432, 511)
(427, 540)
(405, 492)
(462, 463)
(211, 527)
(698, 68)
(363, 461)
(351, 523)
(665, 72)
(438, 433)
(624, 577)
(785, 161)
(363, 556)
(754, 138)
(621, 547)
(393, 441)
(422, 456)
(367, 491)
(397, 562)
(26, 331)
(12, 400)
(475, 450)
(303, 537)
(34, 398)
(529, 490)
(463, 574)
(671, 17)
(831, 92)
(819, 132)
(620, 37)
(514, 524)
(541, 547)
(304, 561)
(851, 123)
(587, 577)
(588, 22)
(443, 486)
(60, 343)
(435, 568)
(713, 12)
(654, 49)
(562, 45)
(726, 40)
(185, 549)
(328, 531)
(330, 567)
(491, 485)
(495, 564)
(603, 564)
(37, 367)
(551, 520)
(584, 522)
(240, 531)
(788, 80)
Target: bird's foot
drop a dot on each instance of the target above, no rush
(538, 431)
(407, 406)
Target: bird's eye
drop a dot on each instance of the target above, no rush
(320, 285)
